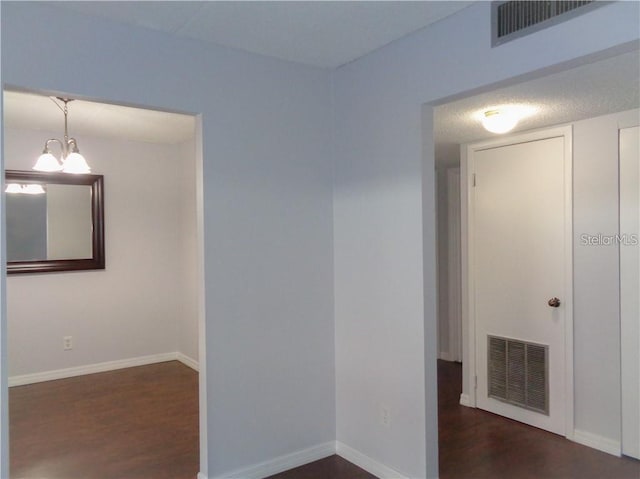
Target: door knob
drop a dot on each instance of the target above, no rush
(554, 302)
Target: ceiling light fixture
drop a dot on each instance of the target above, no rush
(504, 118)
(71, 161)
(497, 121)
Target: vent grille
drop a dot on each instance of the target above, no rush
(517, 373)
(513, 19)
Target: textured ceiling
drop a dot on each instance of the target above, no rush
(320, 33)
(591, 90)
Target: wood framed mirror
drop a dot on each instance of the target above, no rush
(54, 222)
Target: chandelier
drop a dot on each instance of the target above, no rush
(71, 161)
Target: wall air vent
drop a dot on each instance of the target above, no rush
(518, 373)
(513, 19)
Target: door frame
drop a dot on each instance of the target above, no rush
(454, 296)
(467, 169)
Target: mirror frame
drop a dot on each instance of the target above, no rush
(96, 182)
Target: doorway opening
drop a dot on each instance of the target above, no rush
(562, 98)
(136, 321)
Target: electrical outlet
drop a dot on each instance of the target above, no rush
(67, 343)
(385, 416)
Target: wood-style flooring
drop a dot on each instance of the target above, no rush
(477, 444)
(134, 423)
(333, 467)
(142, 423)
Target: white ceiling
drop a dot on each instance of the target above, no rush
(309, 28)
(320, 33)
(37, 112)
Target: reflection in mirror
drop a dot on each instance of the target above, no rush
(54, 222)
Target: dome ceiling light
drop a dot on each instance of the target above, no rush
(503, 119)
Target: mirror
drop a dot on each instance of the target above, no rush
(55, 222)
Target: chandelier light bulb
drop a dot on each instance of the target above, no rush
(13, 188)
(47, 162)
(76, 164)
(34, 189)
(31, 189)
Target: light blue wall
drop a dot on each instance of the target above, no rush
(272, 232)
(267, 211)
(597, 275)
(386, 341)
(4, 391)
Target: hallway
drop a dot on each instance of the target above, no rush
(477, 444)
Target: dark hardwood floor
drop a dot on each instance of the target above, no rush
(135, 423)
(477, 444)
(333, 467)
(142, 423)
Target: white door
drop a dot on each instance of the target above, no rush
(521, 224)
(630, 288)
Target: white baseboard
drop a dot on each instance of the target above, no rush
(365, 462)
(465, 400)
(187, 361)
(282, 463)
(100, 367)
(597, 442)
(305, 456)
(444, 355)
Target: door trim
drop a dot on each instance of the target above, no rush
(454, 299)
(467, 168)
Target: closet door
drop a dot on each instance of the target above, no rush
(520, 250)
(630, 288)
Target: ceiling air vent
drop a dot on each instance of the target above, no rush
(515, 19)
